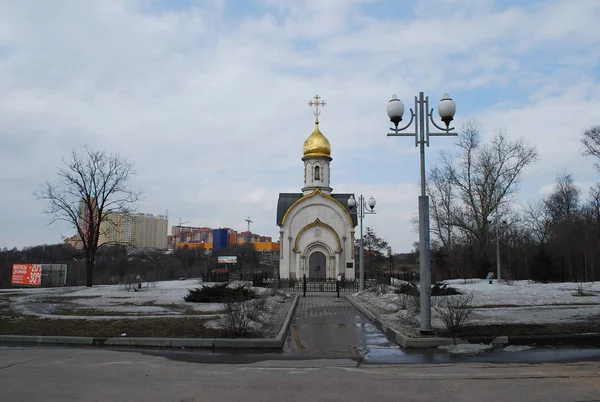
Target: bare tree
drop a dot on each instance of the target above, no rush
(91, 189)
(591, 143)
(478, 180)
(563, 207)
(537, 219)
(442, 207)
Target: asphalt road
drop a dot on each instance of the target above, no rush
(60, 374)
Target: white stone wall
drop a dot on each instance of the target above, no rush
(317, 238)
(311, 182)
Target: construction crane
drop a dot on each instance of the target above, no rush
(249, 222)
(182, 223)
(180, 233)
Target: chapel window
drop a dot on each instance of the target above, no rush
(317, 173)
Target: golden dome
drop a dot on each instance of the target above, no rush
(317, 144)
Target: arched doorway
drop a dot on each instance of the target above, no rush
(317, 265)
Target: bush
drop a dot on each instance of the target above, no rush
(219, 294)
(379, 289)
(403, 301)
(442, 289)
(237, 316)
(454, 311)
(438, 289)
(410, 289)
(580, 291)
(414, 304)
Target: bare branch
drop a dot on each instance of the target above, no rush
(591, 143)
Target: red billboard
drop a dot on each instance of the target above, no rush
(27, 274)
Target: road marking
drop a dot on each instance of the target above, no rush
(297, 338)
(298, 370)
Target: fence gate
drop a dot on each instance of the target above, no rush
(315, 285)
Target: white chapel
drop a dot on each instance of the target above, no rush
(316, 226)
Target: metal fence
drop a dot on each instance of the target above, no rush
(313, 285)
(305, 284)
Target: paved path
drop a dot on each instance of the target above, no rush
(328, 325)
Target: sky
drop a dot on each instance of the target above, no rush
(208, 98)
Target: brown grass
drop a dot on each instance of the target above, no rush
(141, 327)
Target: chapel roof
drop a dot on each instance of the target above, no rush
(286, 200)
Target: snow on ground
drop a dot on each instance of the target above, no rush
(533, 303)
(523, 293)
(162, 299)
(466, 348)
(521, 302)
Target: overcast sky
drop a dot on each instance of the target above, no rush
(209, 98)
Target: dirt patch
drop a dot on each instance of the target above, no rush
(62, 299)
(141, 327)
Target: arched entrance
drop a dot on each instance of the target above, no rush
(317, 266)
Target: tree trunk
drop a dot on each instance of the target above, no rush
(89, 269)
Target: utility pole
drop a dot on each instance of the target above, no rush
(391, 263)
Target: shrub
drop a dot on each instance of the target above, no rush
(237, 316)
(414, 304)
(379, 289)
(580, 290)
(454, 311)
(219, 294)
(442, 289)
(438, 289)
(404, 301)
(410, 289)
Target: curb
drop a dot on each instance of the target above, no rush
(258, 343)
(398, 337)
(586, 339)
(409, 342)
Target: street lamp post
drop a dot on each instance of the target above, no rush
(362, 210)
(495, 219)
(205, 255)
(423, 116)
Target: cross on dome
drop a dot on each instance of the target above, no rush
(317, 144)
(317, 102)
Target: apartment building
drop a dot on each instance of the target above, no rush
(140, 231)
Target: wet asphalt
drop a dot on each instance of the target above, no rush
(328, 325)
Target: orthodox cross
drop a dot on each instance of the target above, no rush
(316, 103)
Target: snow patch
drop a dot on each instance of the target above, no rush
(517, 348)
(466, 348)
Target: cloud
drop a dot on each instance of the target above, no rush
(208, 98)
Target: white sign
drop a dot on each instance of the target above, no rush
(227, 259)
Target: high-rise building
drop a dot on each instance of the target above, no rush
(141, 231)
(87, 210)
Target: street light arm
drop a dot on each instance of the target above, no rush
(368, 210)
(397, 130)
(446, 130)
